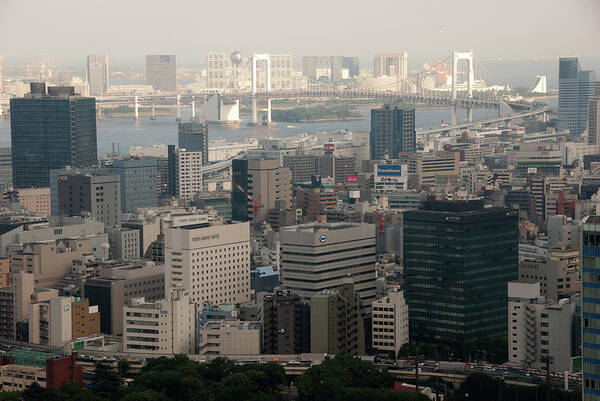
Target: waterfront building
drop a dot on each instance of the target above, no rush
(391, 65)
(50, 131)
(161, 72)
(193, 137)
(97, 74)
(392, 132)
(575, 90)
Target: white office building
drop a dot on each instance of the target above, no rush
(165, 327)
(213, 261)
(390, 322)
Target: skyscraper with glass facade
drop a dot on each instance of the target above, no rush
(193, 137)
(575, 90)
(392, 132)
(458, 260)
(50, 131)
(590, 307)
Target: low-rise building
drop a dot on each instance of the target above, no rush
(36, 200)
(229, 337)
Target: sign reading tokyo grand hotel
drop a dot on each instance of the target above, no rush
(206, 237)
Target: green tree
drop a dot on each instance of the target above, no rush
(106, 381)
(35, 392)
(123, 367)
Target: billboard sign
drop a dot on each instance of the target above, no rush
(351, 178)
(390, 173)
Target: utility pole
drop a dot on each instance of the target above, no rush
(548, 359)
(416, 368)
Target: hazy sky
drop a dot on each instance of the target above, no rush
(427, 29)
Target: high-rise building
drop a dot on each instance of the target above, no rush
(330, 68)
(97, 74)
(213, 261)
(391, 65)
(281, 71)
(319, 256)
(162, 327)
(193, 137)
(184, 172)
(336, 322)
(392, 132)
(50, 131)
(257, 187)
(161, 72)
(390, 322)
(594, 117)
(575, 90)
(217, 71)
(458, 260)
(98, 195)
(286, 324)
(139, 182)
(589, 306)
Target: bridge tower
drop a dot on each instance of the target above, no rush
(136, 113)
(178, 108)
(456, 57)
(267, 59)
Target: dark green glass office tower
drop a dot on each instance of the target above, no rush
(392, 132)
(458, 260)
(50, 131)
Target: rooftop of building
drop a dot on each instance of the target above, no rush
(316, 226)
(29, 357)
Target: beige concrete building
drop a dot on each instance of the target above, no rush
(50, 322)
(165, 327)
(35, 200)
(25, 293)
(558, 274)
(320, 256)
(117, 285)
(427, 167)
(188, 177)
(267, 187)
(50, 261)
(390, 322)
(336, 322)
(124, 244)
(19, 377)
(229, 337)
(213, 261)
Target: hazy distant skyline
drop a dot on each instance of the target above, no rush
(127, 30)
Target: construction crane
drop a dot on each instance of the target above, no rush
(256, 203)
